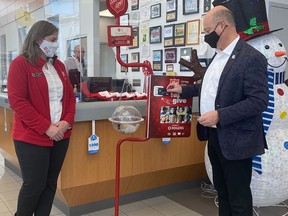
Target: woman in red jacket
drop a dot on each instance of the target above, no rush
(43, 101)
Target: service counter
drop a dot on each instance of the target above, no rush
(87, 182)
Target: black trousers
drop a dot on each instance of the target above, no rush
(231, 179)
(40, 168)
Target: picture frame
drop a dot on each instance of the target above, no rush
(124, 19)
(206, 6)
(124, 58)
(171, 10)
(171, 55)
(134, 17)
(169, 35)
(190, 7)
(169, 67)
(135, 36)
(157, 60)
(185, 53)
(135, 56)
(134, 5)
(180, 34)
(155, 11)
(192, 32)
(201, 23)
(155, 34)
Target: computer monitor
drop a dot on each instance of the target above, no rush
(98, 84)
(117, 85)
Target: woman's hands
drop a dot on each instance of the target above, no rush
(56, 131)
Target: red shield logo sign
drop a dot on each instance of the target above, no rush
(117, 7)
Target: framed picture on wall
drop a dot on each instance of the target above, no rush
(171, 10)
(169, 35)
(155, 34)
(171, 55)
(134, 17)
(157, 60)
(207, 5)
(169, 67)
(185, 53)
(124, 58)
(135, 58)
(135, 35)
(155, 11)
(192, 32)
(124, 19)
(179, 34)
(134, 4)
(190, 6)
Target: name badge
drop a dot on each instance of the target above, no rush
(37, 74)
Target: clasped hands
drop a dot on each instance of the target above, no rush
(56, 131)
(207, 119)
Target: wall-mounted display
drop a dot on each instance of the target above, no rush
(171, 55)
(145, 13)
(134, 18)
(169, 35)
(134, 4)
(135, 58)
(124, 58)
(193, 31)
(169, 67)
(157, 60)
(179, 35)
(207, 5)
(190, 6)
(201, 24)
(185, 53)
(155, 34)
(135, 34)
(155, 11)
(171, 10)
(124, 19)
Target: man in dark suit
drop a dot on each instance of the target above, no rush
(233, 94)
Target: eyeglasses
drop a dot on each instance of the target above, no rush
(79, 51)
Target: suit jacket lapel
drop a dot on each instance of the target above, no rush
(229, 63)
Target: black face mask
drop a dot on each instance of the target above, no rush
(213, 38)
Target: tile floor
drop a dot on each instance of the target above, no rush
(183, 203)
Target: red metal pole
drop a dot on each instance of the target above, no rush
(117, 178)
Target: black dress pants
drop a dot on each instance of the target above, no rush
(40, 168)
(231, 179)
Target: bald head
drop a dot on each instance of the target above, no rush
(79, 51)
(221, 13)
(221, 20)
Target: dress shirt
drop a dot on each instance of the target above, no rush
(55, 89)
(212, 77)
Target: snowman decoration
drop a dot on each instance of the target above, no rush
(269, 183)
(270, 171)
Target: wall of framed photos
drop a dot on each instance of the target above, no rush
(163, 32)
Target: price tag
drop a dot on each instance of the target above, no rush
(93, 144)
(93, 141)
(166, 140)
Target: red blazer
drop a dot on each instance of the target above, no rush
(29, 98)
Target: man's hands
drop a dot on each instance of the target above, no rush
(209, 119)
(56, 131)
(174, 87)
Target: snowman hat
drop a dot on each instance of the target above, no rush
(250, 17)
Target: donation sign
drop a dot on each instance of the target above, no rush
(117, 7)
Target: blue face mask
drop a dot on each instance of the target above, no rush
(49, 48)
